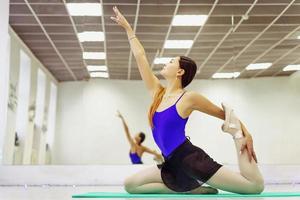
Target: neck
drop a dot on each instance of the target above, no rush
(173, 86)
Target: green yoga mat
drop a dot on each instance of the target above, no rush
(220, 195)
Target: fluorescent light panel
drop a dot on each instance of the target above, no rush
(99, 75)
(91, 36)
(178, 44)
(96, 68)
(189, 20)
(162, 60)
(256, 66)
(84, 9)
(292, 68)
(94, 55)
(226, 75)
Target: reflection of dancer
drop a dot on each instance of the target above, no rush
(136, 147)
(186, 166)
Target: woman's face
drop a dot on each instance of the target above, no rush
(137, 138)
(171, 69)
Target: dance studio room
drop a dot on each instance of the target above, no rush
(149, 99)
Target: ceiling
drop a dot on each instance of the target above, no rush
(228, 42)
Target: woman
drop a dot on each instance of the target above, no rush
(186, 166)
(136, 148)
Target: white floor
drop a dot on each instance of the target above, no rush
(65, 193)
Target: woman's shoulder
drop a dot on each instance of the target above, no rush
(142, 147)
(191, 94)
(191, 97)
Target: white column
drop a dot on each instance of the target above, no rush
(4, 70)
(8, 147)
(41, 104)
(23, 100)
(51, 122)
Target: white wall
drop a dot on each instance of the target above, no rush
(88, 132)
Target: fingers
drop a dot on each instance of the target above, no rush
(243, 148)
(254, 156)
(115, 10)
(249, 152)
(118, 15)
(114, 19)
(249, 148)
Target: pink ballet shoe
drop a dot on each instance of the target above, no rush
(231, 124)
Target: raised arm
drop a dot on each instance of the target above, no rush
(129, 138)
(151, 81)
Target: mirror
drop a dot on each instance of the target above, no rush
(54, 120)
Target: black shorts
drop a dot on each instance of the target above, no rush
(187, 168)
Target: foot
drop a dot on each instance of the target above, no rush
(204, 190)
(232, 124)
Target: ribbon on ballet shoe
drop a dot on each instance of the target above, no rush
(231, 125)
(238, 135)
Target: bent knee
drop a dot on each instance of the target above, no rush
(257, 188)
(129, 185)
(260, 185)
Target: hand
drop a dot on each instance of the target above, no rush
(120, 19)
(158, 158)
(248, 146)
(119, 114)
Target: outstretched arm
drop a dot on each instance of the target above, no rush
(202, 104)
(151, 81)
(153, 152)
(129, 138)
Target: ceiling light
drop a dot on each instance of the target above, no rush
(226, 75)
(94, 55)
(95, 68)
(292, 68)
(178, 44)
(256, 66)
(91, 36)
(189, 20)
(99, 75)
(84, 9)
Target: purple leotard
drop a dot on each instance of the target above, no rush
(168, 129)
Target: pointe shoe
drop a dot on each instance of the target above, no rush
(232, 124)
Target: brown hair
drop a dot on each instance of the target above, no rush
(190, 69)
(142, 136)
(157, 100)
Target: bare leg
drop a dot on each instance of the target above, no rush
(248, 181)
(146, 181)
(149, 181)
